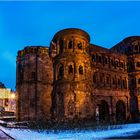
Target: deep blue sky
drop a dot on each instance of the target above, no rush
(35, 23)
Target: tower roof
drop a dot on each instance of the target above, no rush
(71, 31)
(131, 39)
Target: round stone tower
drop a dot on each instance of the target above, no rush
(34, 83)
(72, 74)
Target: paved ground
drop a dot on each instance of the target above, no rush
(133, 136)
(3, 136)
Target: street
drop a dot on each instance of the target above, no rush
(135, 135)
(4, 136)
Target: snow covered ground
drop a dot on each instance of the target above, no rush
(26, 134)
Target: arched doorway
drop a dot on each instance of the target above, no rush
(120, 111)
(134, 104)
(103, 111)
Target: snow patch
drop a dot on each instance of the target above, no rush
(119, 130)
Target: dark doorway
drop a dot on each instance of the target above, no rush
(120, 111)
(134, 107)
(103, 111)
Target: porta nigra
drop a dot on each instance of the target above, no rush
(72, 78)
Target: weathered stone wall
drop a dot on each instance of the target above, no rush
(34, 83)
(72, 79)
(131, 48)
(72, 85)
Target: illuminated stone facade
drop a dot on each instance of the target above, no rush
(7, 100)
(73, 79)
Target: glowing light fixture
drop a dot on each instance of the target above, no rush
(13, 96)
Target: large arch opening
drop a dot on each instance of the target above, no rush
(134, 106)
(120, 111)
(103, 111)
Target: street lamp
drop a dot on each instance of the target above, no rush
(13, 96)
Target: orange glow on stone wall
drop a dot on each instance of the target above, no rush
(80, 100)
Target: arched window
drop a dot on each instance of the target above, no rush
(112, 62)
(119, 82)
(124, 84)
(61, 72)
(139, 81)
(99, 59)
(117, 63)
(93, 58)
(33, 76)
(113, 81)
(61, 45)
(133, 83)
(94, 78)
(121, 64)
(138, 64)
(136, 47)
(79, 45)
(129, 49)
(81, 70)
(70, 69)
(70, 45)
(105, 60)
(131, 66)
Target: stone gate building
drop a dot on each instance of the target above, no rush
(73, 78)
